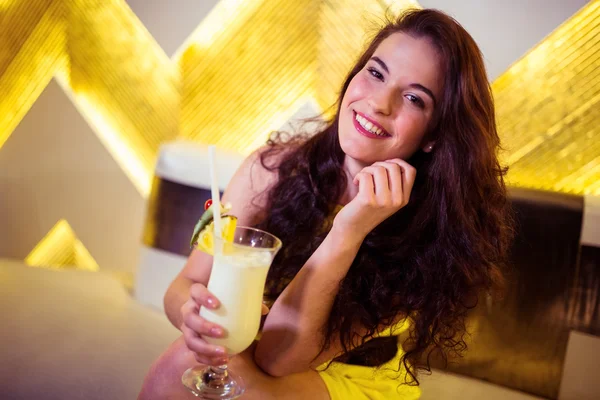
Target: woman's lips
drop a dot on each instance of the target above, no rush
(365, 132)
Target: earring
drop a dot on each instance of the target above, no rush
(430, 147)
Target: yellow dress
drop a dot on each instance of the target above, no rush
(355, 382)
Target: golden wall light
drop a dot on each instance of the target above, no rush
(548, 108)
(61, 249)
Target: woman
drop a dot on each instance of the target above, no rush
(394, 219)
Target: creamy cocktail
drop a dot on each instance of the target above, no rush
(237, 280)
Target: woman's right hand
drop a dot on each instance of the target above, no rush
(383, 188)
(194, 327)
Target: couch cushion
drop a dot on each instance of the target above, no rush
(441, 385)
(74, 335)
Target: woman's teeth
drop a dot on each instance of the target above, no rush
(369, 126)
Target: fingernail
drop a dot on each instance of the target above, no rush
(216, 331)
(212, 302)
(219, 350)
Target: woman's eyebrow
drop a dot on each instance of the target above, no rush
(423, 89)
(381, 63)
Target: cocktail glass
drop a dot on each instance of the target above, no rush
(237, 279)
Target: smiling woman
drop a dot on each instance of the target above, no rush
(394, 219)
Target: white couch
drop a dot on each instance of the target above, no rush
(74, 335)
(80, 335)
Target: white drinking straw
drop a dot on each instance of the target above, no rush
(214, 188)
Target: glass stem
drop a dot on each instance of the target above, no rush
(216, 377)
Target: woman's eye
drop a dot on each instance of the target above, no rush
(415, 100)
(375, 73)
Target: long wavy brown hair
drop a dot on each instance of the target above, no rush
(431, 259)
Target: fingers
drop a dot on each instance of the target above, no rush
(201, 346)
(213, 361)
(366, 186)
(395, 182)
(195, 328)
(205, 353)
(380, 178)
(203, 297)
(201, 326)
(189, 306)
(409, 174)
(389, 181)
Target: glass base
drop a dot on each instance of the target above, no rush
(213, 383)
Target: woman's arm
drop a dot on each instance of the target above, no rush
(292, 335)
(245, 193)
(196, 270)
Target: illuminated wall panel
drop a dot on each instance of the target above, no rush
(548, 107)
(60, 249)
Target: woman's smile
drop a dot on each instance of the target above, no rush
(369, 128)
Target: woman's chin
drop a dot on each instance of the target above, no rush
(359, 149)
(360, 157)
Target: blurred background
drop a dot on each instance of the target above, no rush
(104, 104)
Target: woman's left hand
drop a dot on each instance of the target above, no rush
(383, 188)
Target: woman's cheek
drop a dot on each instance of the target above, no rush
(360, 87)
(417, 126)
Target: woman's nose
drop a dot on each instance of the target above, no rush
(381, 102)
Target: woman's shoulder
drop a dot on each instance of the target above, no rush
(262, 163)
(252, 176)
(249, 188)
(265, 161)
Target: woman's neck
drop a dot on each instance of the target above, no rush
(351, 168)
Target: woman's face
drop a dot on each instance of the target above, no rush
(390, 103)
